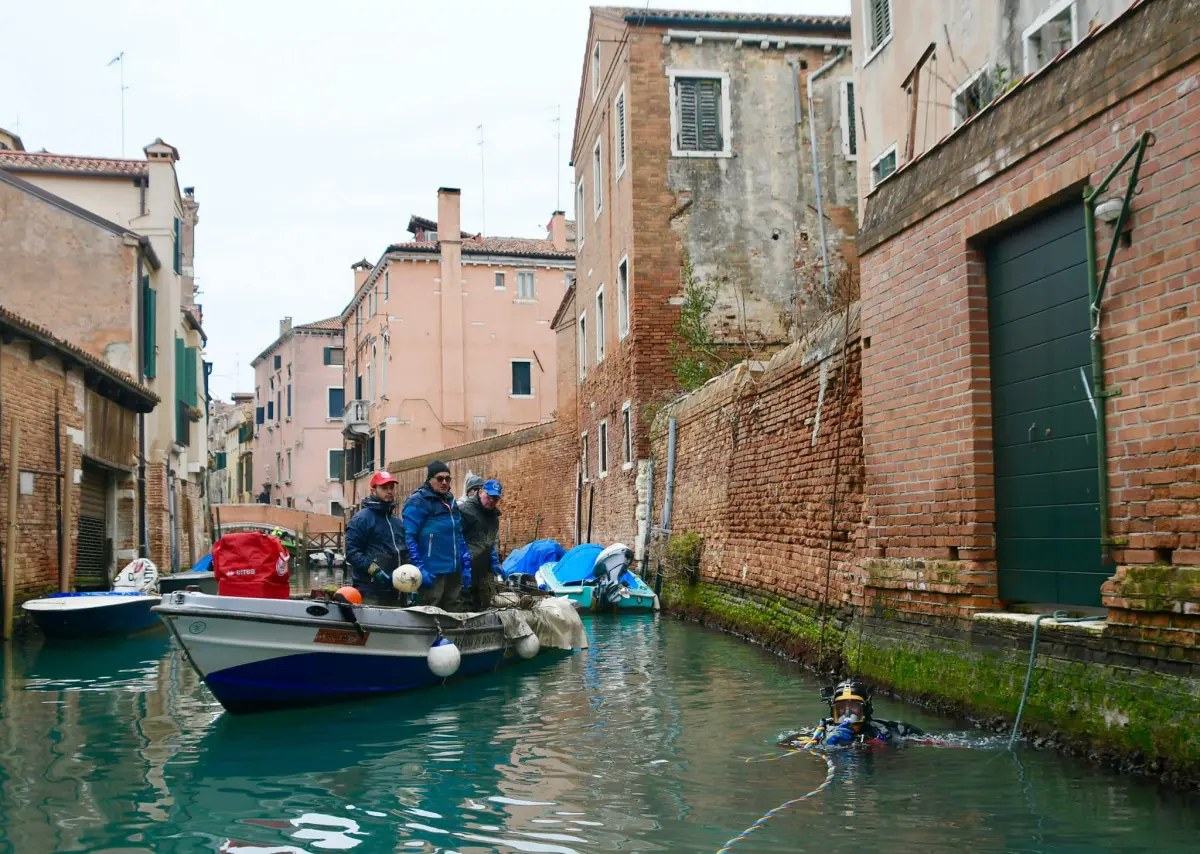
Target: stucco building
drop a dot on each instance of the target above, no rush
(231, 450)
(297, 457)
(694, 144)
(448, 339)
(145, 323)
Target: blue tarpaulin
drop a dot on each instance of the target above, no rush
(577, 564)
(528, 559)
(203, 565)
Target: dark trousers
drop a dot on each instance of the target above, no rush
(446, 592)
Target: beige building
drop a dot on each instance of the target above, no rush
(448, 339)
(231, 450)
(924, 67)
(150, 330)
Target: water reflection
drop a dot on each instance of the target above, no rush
(636, 744)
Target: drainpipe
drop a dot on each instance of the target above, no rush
(812, 141)
(143, 541)
(649, 520)
(670, 494)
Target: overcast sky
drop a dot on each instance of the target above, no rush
(311, 131)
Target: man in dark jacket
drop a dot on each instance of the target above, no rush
(433, 528)
(481, 529)
(375, 543)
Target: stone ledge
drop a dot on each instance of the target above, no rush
(1093, 627)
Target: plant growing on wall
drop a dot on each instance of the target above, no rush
(682, 556)
(695, 359)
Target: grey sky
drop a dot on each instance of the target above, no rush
(311, 131)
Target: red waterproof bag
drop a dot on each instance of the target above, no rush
(251, 565)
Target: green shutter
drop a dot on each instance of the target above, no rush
(191, 356)
(178, 247)
(150, 329)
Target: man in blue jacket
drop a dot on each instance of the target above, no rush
(375, 543)
(433, 528)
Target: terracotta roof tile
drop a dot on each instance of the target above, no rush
(740, 17)
(42, 161)
(517, 246)
(334, 322)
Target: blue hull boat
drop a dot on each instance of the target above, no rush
(79, 615)
(598, 580)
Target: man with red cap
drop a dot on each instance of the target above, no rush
(375, 543)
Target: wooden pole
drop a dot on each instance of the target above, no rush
(10, 539)
(68, 501)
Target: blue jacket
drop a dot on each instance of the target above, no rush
(376, 536)
(433, 527)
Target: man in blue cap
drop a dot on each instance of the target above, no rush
(481, 530)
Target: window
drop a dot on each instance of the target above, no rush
(602, 448)
(580, 207)
(1052, 33)
(619, 110)
(596, 70)
(289, 465)
(334, 356)
(626, 436)
(522, 378)
(599, 324)
(278, 467)
(335, 509)
(358, 321)
(259, 415)
(289, 400)
(971, 97)
(883, 165)
(623, 298)
(583, 347)
(278, 363)
(278, 406)
(849, 141)
(270, 410)
(383, 387)
(500, 281)
(597, 179)
(585, 456)
(382, 447)
(525, 285)
(291, 502)
(289, 370)
(877, 30)
(337, 457)
(387, 287)
(369, 387)
(149, 329)
(699, 114)
(178, 248)
(358, 387)
(337, 401)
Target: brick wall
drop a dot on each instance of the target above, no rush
(927, 423)
(755, 463)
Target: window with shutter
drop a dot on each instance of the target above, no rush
(699, 114)
(621, 132)
(150, 329)
(178, 247)
(880, 24)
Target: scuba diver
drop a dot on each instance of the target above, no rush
(851, 720)
(375, 543)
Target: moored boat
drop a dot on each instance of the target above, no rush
(124, 610)
(598, 579)
(261, 654)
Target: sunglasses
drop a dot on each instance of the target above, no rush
(442, 478)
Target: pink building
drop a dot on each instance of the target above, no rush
(298, 407)
(448, 339)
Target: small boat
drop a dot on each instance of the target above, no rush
(260, 654)
(598, 579)
(124, 610)
(201, 576)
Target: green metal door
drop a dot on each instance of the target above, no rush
(1043, 414)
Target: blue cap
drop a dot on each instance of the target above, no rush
(492, 488)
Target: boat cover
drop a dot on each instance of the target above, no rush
(203, 565)
(553, 620)
(528, 558)
(579, 564)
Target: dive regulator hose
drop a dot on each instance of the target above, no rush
(767, 816)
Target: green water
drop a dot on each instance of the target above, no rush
(635, 745)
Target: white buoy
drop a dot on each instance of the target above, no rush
(407, 578)
(444, 658)
(528, 646)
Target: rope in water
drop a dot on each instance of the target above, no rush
(767, 816)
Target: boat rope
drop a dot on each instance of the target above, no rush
(767, 757)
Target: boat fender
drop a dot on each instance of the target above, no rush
(444, 658)
(528, 646)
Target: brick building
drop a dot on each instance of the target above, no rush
(693, 144)
(54, 390)
(146, 325)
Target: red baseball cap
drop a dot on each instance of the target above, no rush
(382, 477)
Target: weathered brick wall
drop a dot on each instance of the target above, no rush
(28, 390)
(926, 389)
(758, 458)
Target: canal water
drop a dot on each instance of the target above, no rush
(637, 744)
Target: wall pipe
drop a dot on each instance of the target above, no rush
(649, 517)
(1095, 295)
(812, 140)
(670, 494)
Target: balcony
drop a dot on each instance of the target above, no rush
(355, 418)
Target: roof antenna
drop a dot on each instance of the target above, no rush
(120, 57)
(483, 181)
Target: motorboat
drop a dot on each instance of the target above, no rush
(259, 654)
(597, 579)
(124, 610)
(200, 576)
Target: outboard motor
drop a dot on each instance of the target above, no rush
(522, 582)
(610, 565)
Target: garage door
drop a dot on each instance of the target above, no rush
(1043, 416)
(92, 549)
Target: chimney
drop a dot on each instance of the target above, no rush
(361, 269)
(556, 231)
(449, 215)
(285, 326)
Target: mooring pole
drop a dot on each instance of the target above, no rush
(10, 540)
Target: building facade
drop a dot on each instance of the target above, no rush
(448, 339)
(298, 404)
(231, 450)
(694, 150)
(922, 69)
(54, 391)
(148, 326)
